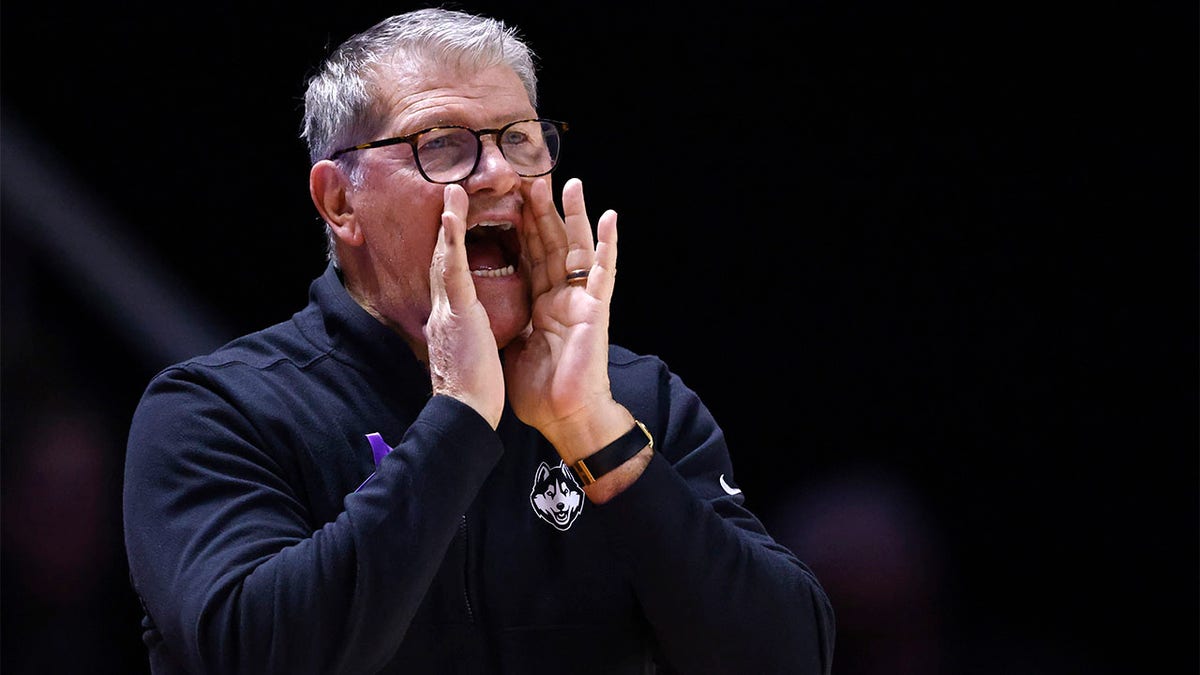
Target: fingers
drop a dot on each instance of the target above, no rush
(550, 231)
(579, 247)
(604, 270)
(539, 207)
(558, 238)
(449, 274)
(557, 244)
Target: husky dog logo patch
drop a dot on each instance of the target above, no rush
(556, 497)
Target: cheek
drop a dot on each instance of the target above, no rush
(403, 218)
(405, 221)
(409, 253)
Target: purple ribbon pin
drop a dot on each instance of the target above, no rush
(379, 448)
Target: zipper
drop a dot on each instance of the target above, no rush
(462, 530)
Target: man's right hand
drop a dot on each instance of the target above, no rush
(464, 362)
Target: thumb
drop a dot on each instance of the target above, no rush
(449, 274)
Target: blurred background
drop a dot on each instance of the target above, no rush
(933, 267)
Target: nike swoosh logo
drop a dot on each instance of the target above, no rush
(729, 490)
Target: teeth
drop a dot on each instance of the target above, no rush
(503, 226)
(498, 272)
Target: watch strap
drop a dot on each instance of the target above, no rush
(589, 469)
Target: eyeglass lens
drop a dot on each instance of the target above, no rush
(449, 154)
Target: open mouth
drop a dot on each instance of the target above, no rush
(493, 249)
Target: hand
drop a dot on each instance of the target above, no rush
(557, 372)
(463, 359)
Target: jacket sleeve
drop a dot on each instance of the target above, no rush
(230, 569)
(721, 594)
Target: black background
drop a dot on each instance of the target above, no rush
(948, 248)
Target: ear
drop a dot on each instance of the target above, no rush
(330, 189)
(543, 472)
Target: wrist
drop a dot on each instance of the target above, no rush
(597, 465)
(591, 429)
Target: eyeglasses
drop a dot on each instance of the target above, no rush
(450, 154)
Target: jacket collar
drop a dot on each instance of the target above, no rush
(341, 327)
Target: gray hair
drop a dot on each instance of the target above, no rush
(339, 103)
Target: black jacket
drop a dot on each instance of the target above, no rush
(258, 545)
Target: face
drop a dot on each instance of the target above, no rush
(398, 212)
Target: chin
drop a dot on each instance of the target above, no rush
(508, 329)
(508, 311)
(507, 323)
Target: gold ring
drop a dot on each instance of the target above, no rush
(577, 276)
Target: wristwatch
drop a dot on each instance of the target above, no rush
(589, 469)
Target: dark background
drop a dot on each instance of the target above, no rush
(933, 268)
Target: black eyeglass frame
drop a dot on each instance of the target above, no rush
(411, 140)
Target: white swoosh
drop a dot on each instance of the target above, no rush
(729, 490)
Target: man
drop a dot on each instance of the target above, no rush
(440, 465)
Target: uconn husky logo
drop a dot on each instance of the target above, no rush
(556, 497)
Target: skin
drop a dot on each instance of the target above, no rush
(528, 336)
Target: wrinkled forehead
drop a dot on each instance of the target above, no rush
(404, 73)
(415, 68)
(416, 94)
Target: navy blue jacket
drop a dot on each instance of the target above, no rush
(263, 538)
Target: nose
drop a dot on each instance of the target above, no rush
(493, 171)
